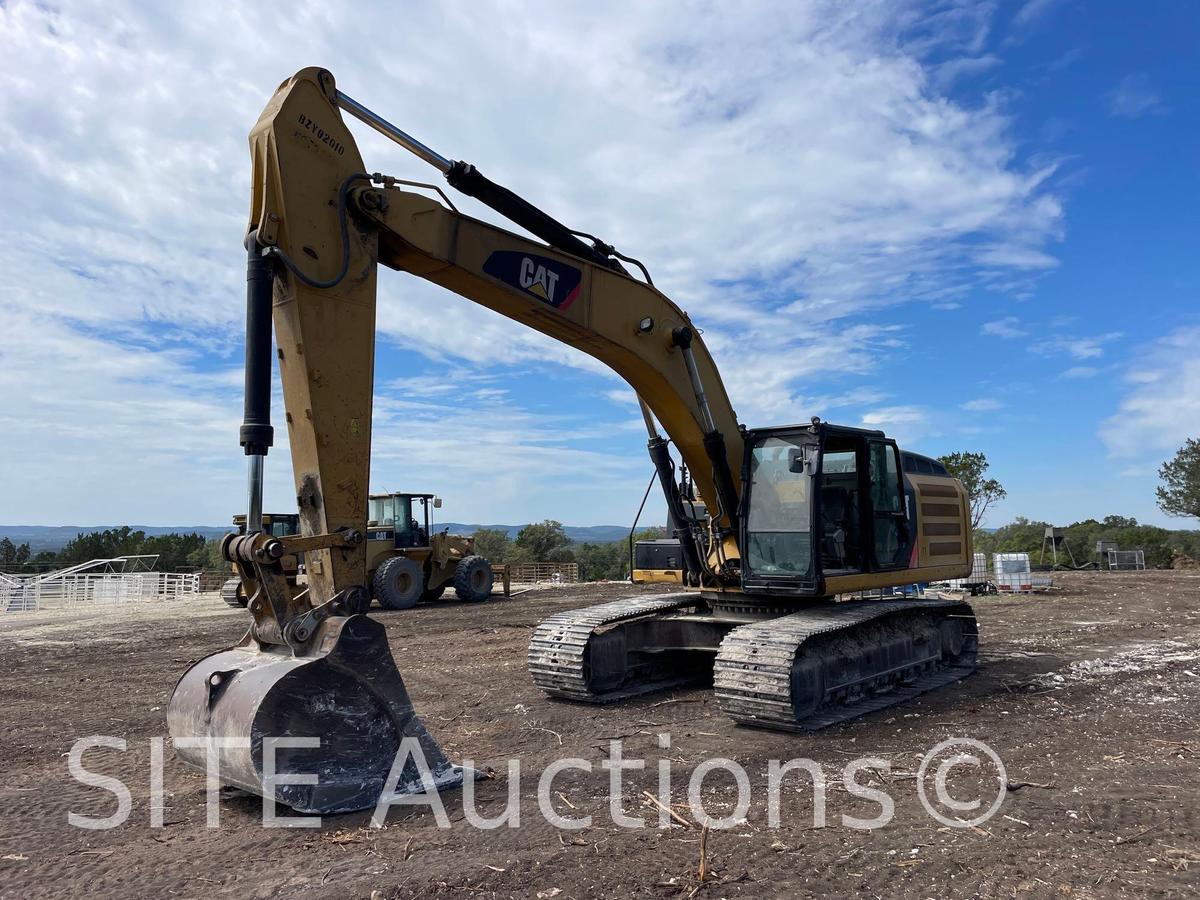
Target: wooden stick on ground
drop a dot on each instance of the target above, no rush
(703, 852)
(650, 798)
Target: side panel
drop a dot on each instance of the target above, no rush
(943, 524)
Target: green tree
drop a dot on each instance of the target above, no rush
(113, 542)
(653, 533)
(1119, 522)
(971, 469)
(1026, 536)
(603, 562)
(1179, 494)
(212, 556)
(8, 552)
(22, 555)
(174, 551)
(493, 544)
(544, 542)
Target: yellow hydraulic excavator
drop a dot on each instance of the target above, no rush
(769, 525)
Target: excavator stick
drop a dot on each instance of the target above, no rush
(311, 669)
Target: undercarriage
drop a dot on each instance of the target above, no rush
(793, 669)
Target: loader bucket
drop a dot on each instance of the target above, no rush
(347, 692)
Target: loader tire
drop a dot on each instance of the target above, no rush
(473, 579)
(432, 594)
(358, 602)
(399, 583)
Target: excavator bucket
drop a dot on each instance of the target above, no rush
(346, 692)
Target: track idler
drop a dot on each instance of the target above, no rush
(342, 687)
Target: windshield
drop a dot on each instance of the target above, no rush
(282, 527)
(779, 529)
(380, 511)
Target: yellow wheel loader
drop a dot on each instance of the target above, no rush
(280, 525)
(407, 562)
(790, 518)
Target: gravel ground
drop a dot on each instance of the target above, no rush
(1090, 695)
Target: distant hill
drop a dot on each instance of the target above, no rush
(580, 534)
(54, 537)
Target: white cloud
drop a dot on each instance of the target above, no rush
(98, 431)
(945, 74)
(780, 173)
(1031, 11)
(1008, 327)
(1160, 412)
(1081, 372)
(1137, 472)
(496, 461)
(1135, 97)
(1143, 376)
(907, 424)
(1077, 347)
(983, 404)
(623, 396)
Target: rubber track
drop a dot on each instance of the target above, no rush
(752, 672)
(556, 650)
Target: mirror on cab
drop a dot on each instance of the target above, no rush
(800, 461)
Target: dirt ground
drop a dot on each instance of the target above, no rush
(1089, 694)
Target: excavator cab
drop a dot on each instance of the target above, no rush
(821, 501)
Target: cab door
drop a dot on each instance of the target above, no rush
(888, 520)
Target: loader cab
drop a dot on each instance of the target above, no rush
(274, 524)
(277, 525)
(403, 519)
(821, 501)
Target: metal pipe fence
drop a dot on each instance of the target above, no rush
(532, 573)
(77, 587)
(1126, 559)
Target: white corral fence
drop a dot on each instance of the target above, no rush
(99, 582)
(1126, 559)
(13, 596)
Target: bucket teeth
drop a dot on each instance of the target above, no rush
(348, 695)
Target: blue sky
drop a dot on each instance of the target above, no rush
(970, 224)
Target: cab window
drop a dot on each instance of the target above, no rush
(779, 526)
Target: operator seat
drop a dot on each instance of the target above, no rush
(839, 532)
